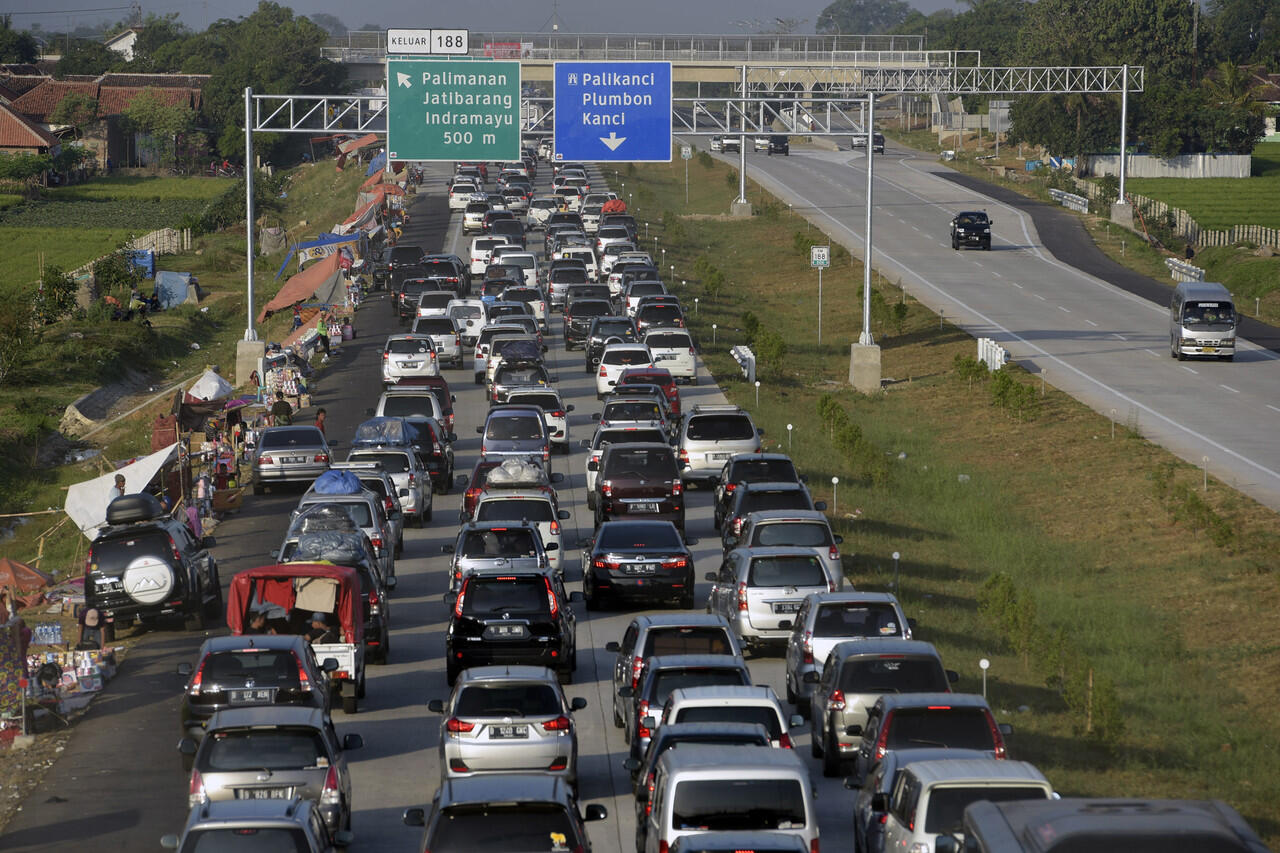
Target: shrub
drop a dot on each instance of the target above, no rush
(770, 349)
(731, 178)
(705, 160)
(750, 324)
(55, 296)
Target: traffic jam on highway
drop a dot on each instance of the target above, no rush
(598, 670)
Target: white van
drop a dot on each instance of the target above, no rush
(729, 788)
(1202, 321)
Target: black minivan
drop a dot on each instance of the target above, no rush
(779, 144)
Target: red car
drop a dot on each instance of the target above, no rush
(659, 376)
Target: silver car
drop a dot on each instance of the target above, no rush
(508, 719)
(296, 824)
(444, 335)
(274, 753)
(494, 547)
(827, 619)
(408, 355)
(406, 470)
(518, 431)
(710, 435)
(289, 454)
(760, 590)
(796, 529)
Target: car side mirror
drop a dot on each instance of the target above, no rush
(436, 706)
(853, 731)
(452, 437)
(586, 443)
(691, 542)
(450, 598)
(551, 546)
(911, 623)
(784, 624)
(852, 783)
(479, 430)
(563, 514)
(1006, 728)
(626, 692)
(369, 411)
(613, 646)
(880, 802)
(820, 506)
(344, 838)
(595, 416)
(184, 669)
(544, 349)
(795, 722)
(446, 549)
(838, 539)
(812, 677)
(460, 481)
(569, 408)
(414, 817)
(576, 595)
(557, 478)
(952, 676)
(208, 542)
(593, 466)
(187, 746)
(632, 764)
(169, 842)
(453, 398)
(577, 703)
(352, 741)
(759, 432)
(711, 576)
(945, 844)
(595, 811)
(390, 583)
(649, 723)
(329, 665)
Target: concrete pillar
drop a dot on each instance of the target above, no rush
(248, 357)
(864, 368)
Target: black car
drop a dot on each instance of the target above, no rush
(511, 230)
(971, 228)
(518, 373)
(626, 220)
(603, 329)
(434, 444)
(762, 497)
(637, 560)
(239, 672)
(751, 468)
(779, 144)
(450, 271)
(408, 292)
(146, 565)
(578, 315)
(520, 618)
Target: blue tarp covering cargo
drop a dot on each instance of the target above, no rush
(337, 483)
(384, 431)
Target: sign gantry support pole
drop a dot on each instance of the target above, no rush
(1124, 127)
(742, 143)
(250, 333)
(868, 133)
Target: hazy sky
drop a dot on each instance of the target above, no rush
(610, 16)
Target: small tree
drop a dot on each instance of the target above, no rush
(55, 297)
(78, 110)
(15, 335)
(162, 122)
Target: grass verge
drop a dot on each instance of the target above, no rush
(1115, 559)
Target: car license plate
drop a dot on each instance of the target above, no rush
(786, 606)
(640, 568)
(410, 364)
(294, 460)
(263, 793)
(242, 697)
(505, 632)
(643, 507)
(718, 457)
(663, 356)
(508, 732)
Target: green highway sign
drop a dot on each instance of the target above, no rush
(441, 109)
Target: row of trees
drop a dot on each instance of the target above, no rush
(1196, 98)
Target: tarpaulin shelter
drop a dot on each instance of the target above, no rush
(353, 145)
(379, 193)
(321, 247)
(284, 585)
(20, 576)
(87, 501)
(176, 288)
(208, 388)
(377, 164)
(366, 214)
(323, 274)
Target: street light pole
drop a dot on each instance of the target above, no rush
(250, 334)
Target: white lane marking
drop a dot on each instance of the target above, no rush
(978, 264)
(1065, 310)
(1015, 284)
(1272, 408)
(1229, 388)
(915, 229)
(1149, 352)
(1091, 323)
(1189, 370)
(996, 274)
(1121, 337)
(1041, 298)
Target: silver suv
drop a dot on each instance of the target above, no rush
(760, 590)
(278, 824)
(406, 470)
(795, 529)
(712, 434)
(488, 547)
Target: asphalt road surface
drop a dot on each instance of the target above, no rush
(1103, 343)
(119, 785)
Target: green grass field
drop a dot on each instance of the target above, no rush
(142, 188)
(62, 247)
(1220, 203)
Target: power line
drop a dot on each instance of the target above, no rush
(70, 11)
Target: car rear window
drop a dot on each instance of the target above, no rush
(510, 542)
(437, 299)
(954, 728)
(615, 327)
(626, 356)
(799, 534)
(405, 346)
(435, 326)
(521, 294)
(761, 714)
(666, 680)
(658, 314)
(265, 839)
(546, 402)
(763, 471)
(358, 511)
(947, 804)
(738, 804)
(784, 571)
(645, 289)
(408, 405)
(270, 749)
(494, 287)
(508, 700)
(686, 640)
(495, 596)
(641, 463)
(520, 374)
(614, 436)
(477, 206)
(569, 276)
(392, 463)
(512, 509)
(517, 428)
(465, 312)
(590, 308)
(760, 501)
(626, 536)
(668, 340)
(720, 427)
(115, 554)
(266, 668)
(526, 827)
(292, 437)
(632, 410)
(893, 674)
(401, 255)
(856, 619)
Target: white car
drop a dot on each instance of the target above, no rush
(473, 216)
(674, 350)
(591, 218)
(482, 250)
(460, 193)
(470, 316)
(540, 210)
(598, 198)
(615, 359)
(610, 255)
(531, 296)
(405, 356)
(760, 143)
(554, 411)
(570, 198)
(527, 261)
(584, 254)
(444, 334)
(435, 303)
(637, 290)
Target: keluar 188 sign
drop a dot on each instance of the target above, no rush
(820, 256)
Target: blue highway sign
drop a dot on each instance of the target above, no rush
(613, 111)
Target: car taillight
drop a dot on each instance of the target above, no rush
(996, 737)
(742, 596)
(330, 795)
(196, 794)
(559, 724)
(456, 726)
(808, 647)
(677, 563)
(413, 479)
(387, 505)
(729, 487)
(784, 741)
(375, 603)
(882, 742)
(663, 847)
(555, 414)
(177, 555)
(606, 488)
(470, 498)
(637, 663)
(814, 847)
(648, 803)
(436, 448)
(691, 352)
(386, 356)
(457, 340)
(546, 453)
(376, 541)
(322, 457)
(603, 372)
(196, 679)
(304, 682)
(677, 489)
(642, 711)
(607, 564)
(836, 701)
(684, 456)
(462, 594)
(737, 525)
(552, 601)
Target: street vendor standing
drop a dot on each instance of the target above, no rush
(322, 330)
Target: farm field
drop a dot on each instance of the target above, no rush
(1219, 203)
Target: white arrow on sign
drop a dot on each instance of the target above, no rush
(402, 79)
(613, 140)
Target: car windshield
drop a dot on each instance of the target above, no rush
(625, 537)
(856, 619)
(546, 402)
(641, 463)
(955, 728)
(648, 288)
(632, 410)
(760, 501)
(969, 218)
(513, 509)
(785, 571)
(508, 700)
(392, 463)
(883, 674)
(686, 640)
(1206, 314)
(494, 287)
(269, 749)
(799, 534)
(499, 542)
(407, 405)
(608, 328)
(659, 314)
(762, 714)
(487, 596)
(666, 680)
(514, 827)
(626, 356)
(720, 428)
(738, 804)
(514, 429)
(408, 346)
(242, 839)
(291, 437)
(590, 308)
(947, 804)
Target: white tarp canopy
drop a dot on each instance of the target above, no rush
(210, 386)
(87, 501)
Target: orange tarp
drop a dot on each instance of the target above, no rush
(354, 145)
(303, 285)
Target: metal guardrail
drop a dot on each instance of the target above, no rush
(1070, 200)
(992, 354)
(1183, 271)
(746, 360)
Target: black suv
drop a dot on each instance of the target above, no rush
(639, 481)
(239, 672)
(637, 559)
(408, 292)
(751, 468)
(519, 618)
(146, 565)
(604, 328)
(779, 144)
(578, 316)
(971, 228)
